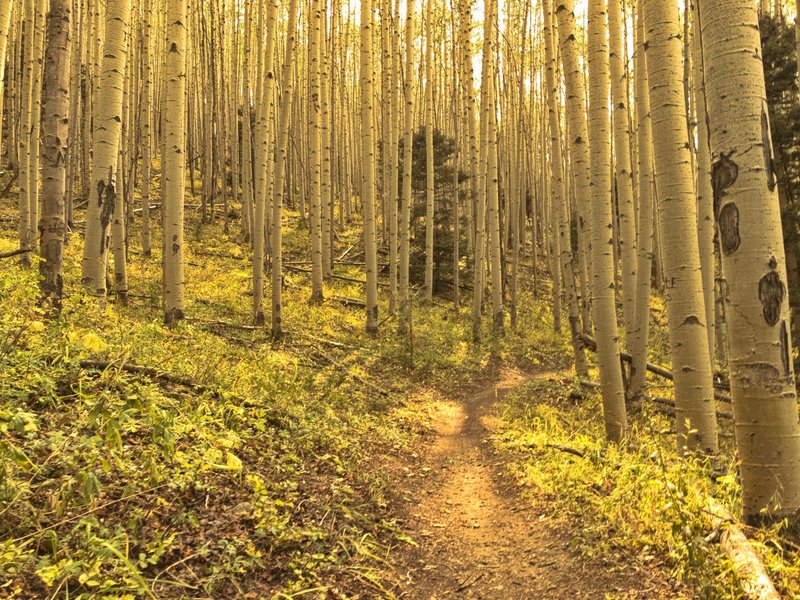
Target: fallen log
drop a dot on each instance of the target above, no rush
(350, 301)
(591, 344)
(747, 564)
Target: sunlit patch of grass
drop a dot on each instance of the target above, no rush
(639, 499)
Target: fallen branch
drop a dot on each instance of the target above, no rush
(155, 374)
(747, 564)
(9, 185)
(591, 344)
(16, 252)
(721, 414)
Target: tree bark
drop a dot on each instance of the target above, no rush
(753, 261)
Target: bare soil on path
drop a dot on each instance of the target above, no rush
(477, 538)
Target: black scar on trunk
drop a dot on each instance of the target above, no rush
(107, 198)
(771, 292)
(769, 160)
(728, 220)
(724, 173)
(785, 349)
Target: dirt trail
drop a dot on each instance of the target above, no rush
(478, 539)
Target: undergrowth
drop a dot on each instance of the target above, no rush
(638, 502)
(253, 469)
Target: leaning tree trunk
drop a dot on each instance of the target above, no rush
(56, 130)
(593, 189)
(107, 132)
(677, 219)
(753, 262)
(174, 160)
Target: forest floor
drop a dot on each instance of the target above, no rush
(478, 537)
(331, 464)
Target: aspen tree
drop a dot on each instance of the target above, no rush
(561, 219)
(705, 199)
(36, 117)
(368, 166)
(753, 262)
(593, 189)
(622, 164)
(405, 207)
(263, 156)
(106, 133)
(393, 68)
(429, 179)
(470, 114)
(281, 162)
(26, 236)
(325, 185)
(644, 140)
(677, 220)
(5, 26)
(174, 159)
(247, 133)
(481, 199)
(492, 177)
(145, 120)
(315, 150)
(56, 131)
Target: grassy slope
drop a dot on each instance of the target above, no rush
(639, 503)
(271, 483)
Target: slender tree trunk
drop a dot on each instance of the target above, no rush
(5, 26)
(561, 220)
(694, 394)
(281, 163)
(593, 187)
(174, 160)
(404, 321)
(368, 165)
(644, 143)
(26, 235)
(145, 120)
(315, 156)
(263, 156)
(56, 132)
(622, 163)
(753, 261)
(429, 175)
(107, 131)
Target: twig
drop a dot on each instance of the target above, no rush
(566, 449)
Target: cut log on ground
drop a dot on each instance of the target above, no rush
(749, 568)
